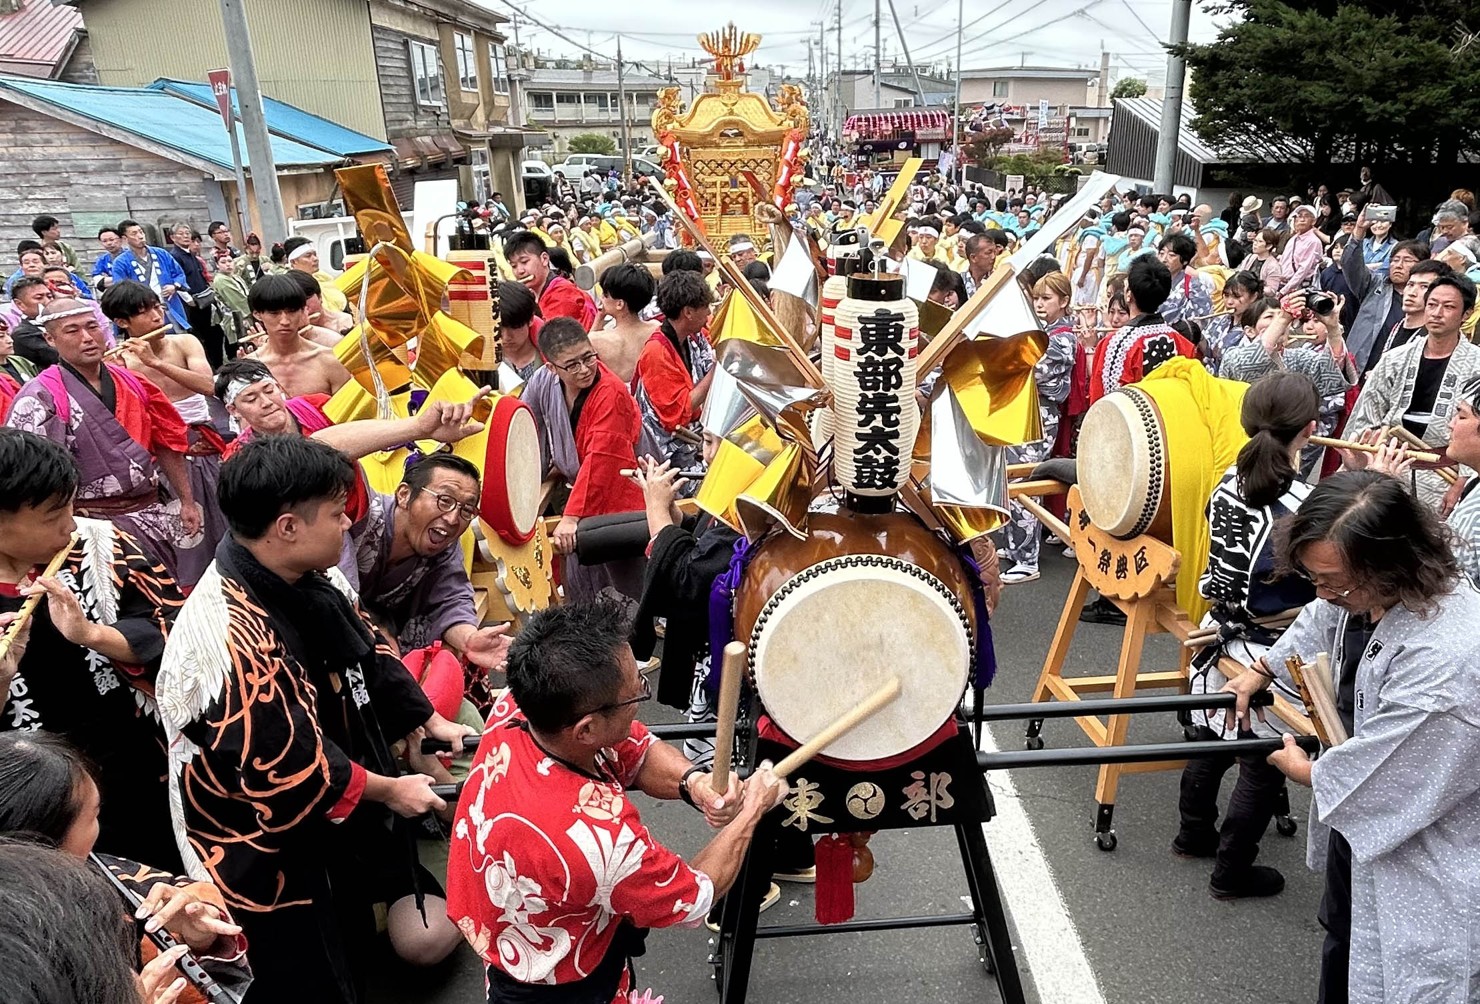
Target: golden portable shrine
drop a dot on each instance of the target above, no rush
(731, 150)
(860, 460)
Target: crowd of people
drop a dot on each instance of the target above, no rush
(222, 697)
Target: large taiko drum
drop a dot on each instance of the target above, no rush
(510, 503)
(1125, 474)
(831, 617)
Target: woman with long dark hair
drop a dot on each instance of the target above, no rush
(49, 794)
(1279, 415)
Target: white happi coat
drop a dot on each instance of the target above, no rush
(1388, 392)
(1405, 793)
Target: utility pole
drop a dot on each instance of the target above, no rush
(839, 107)
(1102, 100)
(254, 123)
(823, 104)
(622, 100)
(878, 56)
(1171, 106)
(956, 119)
(914, 72)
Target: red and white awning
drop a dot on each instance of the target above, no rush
(905, 120)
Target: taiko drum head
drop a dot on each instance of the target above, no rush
(1124, 474)
(510, 503)
(837, 631)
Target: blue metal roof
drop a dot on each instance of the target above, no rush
(164, 119)
(283, 119)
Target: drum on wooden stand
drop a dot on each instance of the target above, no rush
(510, 501)
(1125, 474)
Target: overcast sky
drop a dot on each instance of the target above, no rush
(1040, 32)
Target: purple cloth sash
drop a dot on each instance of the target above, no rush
(721, 612)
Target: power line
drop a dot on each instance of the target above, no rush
(921, 53)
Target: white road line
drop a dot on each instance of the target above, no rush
(1048, 942)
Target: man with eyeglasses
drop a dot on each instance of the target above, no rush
(410, 569)
(552, 875)
(1395, 815)
(589, 431)
(1380, 296)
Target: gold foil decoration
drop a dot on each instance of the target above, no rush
(391, 361)
(993, 382)
(369, 199)
(441, 345)
(781, 494)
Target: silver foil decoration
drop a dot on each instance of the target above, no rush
(964, 471)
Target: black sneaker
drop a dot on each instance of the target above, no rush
(1258, 881)
(1102, 611)
(1185, 846)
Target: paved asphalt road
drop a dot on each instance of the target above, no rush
(1137, 925)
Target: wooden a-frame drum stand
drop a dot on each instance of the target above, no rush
(1137, 576)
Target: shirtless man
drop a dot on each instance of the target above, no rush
(300, 366)
(326, 327)
(620, 332)
(174, 363)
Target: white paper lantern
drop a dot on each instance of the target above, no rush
(877, 344)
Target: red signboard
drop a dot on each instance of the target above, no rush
(221, 88)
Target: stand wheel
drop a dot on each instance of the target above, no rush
(1105, 841)
(979, 933)
(1286, 826)
(1033, 743)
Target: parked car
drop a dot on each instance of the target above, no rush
(538, 169)
(576, 165)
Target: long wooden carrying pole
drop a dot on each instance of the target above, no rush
(732, 671)
(29, 607)
(840, 727)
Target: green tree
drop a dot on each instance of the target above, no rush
(1128, 87)
(592, 142)
(1324, 81)
(982, 147)
(1037, 168)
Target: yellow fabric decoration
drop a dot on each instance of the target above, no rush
(1200, 415)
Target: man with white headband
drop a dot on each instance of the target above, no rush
(303, 256)
(585, 242)
(742, 251)
(122, 431)
(927, 243)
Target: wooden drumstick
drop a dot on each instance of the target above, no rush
(29, 607)
(1347, 444)
(870, 706)
(732, 671)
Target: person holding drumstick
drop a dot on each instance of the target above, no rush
(552, 877)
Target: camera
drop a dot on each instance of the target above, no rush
(1319, 302)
